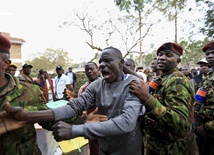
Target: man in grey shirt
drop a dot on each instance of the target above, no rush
(120, 134)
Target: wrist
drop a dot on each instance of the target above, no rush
(40, 116)
(150, 103)
(77, 131)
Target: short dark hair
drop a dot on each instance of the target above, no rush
(131, 60)
(91, 62)
(41, 71)
(119, 53)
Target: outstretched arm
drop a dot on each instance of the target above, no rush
(19, 114)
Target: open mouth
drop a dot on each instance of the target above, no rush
(105, 74)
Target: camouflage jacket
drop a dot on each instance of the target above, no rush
(29, 96)
(168, 115)
(204, 112)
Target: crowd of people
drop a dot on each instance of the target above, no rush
(129, 110)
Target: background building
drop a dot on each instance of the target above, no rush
(15, 51)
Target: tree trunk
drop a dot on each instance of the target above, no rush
(176, 25)
(140, 33)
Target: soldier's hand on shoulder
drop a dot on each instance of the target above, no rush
(17, 113)
(139, 89)
(8, 120)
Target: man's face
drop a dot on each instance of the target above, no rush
(44, 74)
(4, 62)
(91, 72)
(59, 72)
(11, 70)
(166, 61)
(69, 69)
(204, 68)
(130, 64)
(27, 70)
(210, 57)
(154, 65)
(110, 66)
(185, 71)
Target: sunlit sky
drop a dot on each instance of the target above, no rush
(37, 23)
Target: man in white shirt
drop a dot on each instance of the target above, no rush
(61, 82)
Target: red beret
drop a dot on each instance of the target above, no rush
(171, 47)
(209, 46)
(5, 44)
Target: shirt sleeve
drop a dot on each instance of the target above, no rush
(123, 123)
(76, 106)
(67, 80)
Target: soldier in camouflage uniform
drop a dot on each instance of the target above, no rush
(204, 109)
(168, 106)
(29, 96)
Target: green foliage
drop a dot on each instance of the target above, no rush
(127, 5)
(170, 8)
(124, 4)
(49, 60)
(193, 51)
(208, 28)
(149, 57)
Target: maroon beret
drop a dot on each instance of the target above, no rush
(5, 44)
(171, 47)
(209, 46)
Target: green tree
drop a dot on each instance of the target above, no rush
(171, 9)
(147, 57)
(143, 11)
(208, 28)
(193, 51)
(49, 59)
